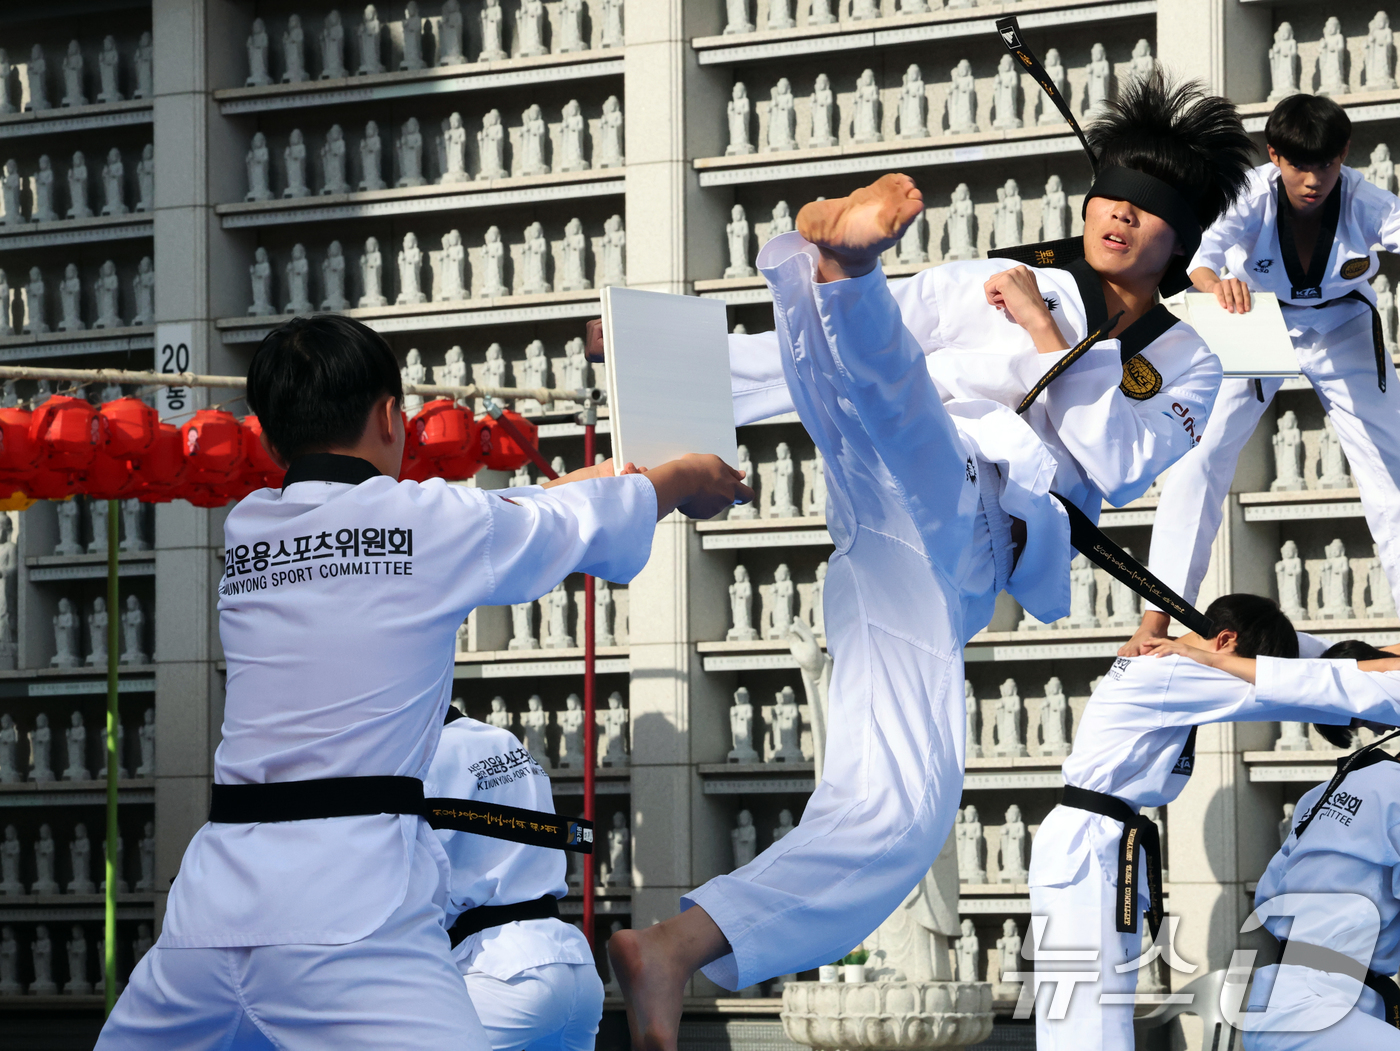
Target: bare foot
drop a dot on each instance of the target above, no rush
(652, 966)
(852, 231)
(652, 987)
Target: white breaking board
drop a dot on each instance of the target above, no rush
(1253, 344)
(668, 377)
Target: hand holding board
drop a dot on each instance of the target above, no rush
(669, 391)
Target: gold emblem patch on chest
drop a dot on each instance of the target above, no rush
(1140, 380)
(1354, 268)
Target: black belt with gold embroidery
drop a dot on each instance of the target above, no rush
(358, 796)
(1138, 831)
(483, 917)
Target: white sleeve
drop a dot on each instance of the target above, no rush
(1123, 444)
(1227, 231)
(602, 526)
(1337, 687)
(756, 364)
(756, 372)
(1388, 222)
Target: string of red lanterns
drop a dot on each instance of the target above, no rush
(120, 451)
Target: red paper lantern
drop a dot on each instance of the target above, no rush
(160, 470)
(445, 442)
(18, 455)
(131, 426)
(213, 445)
(67, 432)
(262, 471)
(108, 478)
(500, 451)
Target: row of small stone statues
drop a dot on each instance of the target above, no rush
(573, 372)
(66, 640)
(32, 300)
(1009, 728)
(80, 854)
(960, 226)
(449, 268)
(1333, 591)
(1014, 842)
(1295, 467)
(75, 85)
(41, 956)
(1331, 69)
(775, 486)
(75, 738)
(781, 603)
(613, 749)
(555, 608)
(42, 207)
(1124, 606)
(443, 37)
(782, 741)
(865, 121)
(532, 153)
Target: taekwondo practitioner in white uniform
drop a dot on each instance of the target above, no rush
(933, 510)
(531, 975)
(1342, 860)
(1304, 229)
(342, 593)
(1135, 748)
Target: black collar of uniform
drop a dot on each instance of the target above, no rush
(1086, 279)
(329, 467)
(1308, 285)
(452, 716)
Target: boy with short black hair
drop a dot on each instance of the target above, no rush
(1303, 230)
(309, 912)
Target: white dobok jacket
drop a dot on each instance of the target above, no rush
(1350, 850)
(477, 761)
(1245, 240)
(1105, 444)
(338, 611)
(1132, 743)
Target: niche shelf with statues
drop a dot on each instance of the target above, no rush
(35, 346)
(485, 75)
(46, 234)
(76, 118)
(794, 777)
(779, 36)
(507, 190)
(429, 317)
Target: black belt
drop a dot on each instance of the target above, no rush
(1321, 958)
(476, 920)
(352, 796)
(1138, 831)
(1377, 333)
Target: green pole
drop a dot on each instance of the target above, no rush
(109, 963)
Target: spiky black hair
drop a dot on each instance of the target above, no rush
(1179, 134)
(1348, 650)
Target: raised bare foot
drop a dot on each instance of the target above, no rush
(852, 231)
(653, 986)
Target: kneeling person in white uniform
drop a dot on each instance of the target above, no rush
(531, 975)
(308, 911)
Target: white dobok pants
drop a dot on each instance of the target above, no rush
(397, 988)
(894, 759)
(1299, 994)
(554, 1007)
(1082, 915)
(1342, 369)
